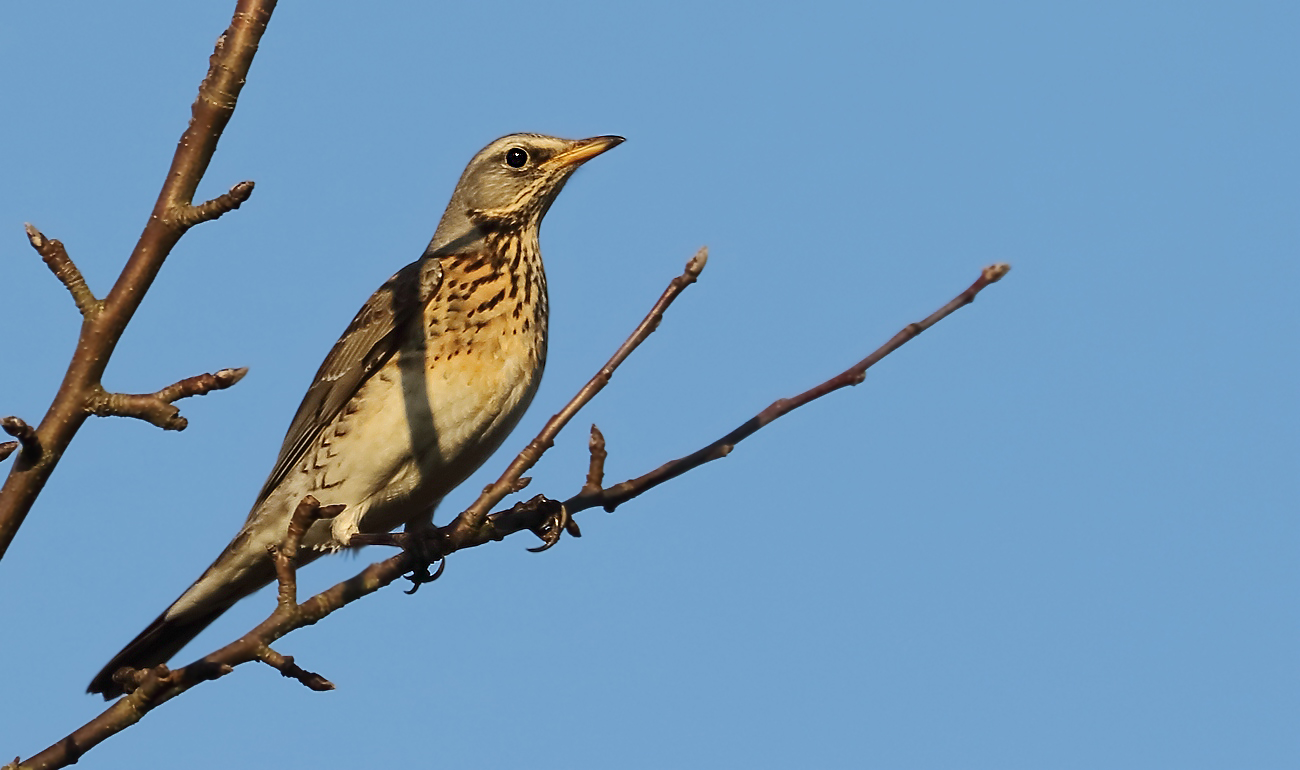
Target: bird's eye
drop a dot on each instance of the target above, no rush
(516, 157)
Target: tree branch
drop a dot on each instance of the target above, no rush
(173, 214)
(26, 435)
(612, 497)
(57, 259)
(189, 216)
(156, 686)
(474, 517)
(156, 408)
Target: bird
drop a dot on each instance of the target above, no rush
(422, 387)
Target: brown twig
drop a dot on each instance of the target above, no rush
(7, 448)
(173, 214)
(57, 259)
(596, 468)
(188, 216)
(612, 497)
(157, 408)
(290, 670)
(474, 517)
(26, 435)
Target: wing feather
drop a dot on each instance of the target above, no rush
(372, 338)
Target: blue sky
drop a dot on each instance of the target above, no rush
(1057, 531)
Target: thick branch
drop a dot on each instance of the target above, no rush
(473, 518)
(156, 408)
(57, 259)
(172, 215)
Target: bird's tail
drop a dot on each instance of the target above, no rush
(154, 645)
(238, 572)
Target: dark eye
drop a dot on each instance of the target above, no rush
(516, 157)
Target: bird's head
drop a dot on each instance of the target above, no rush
(511, 183)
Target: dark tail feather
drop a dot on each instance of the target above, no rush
(156, 644)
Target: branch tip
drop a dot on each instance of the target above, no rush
(996, 272)
(57, 260)
(290, 670)
(696, 265)
(26, 435)
(157, 408)
(6, 449)
(34, 236)
(190, 215)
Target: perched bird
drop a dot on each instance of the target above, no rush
(425, 383)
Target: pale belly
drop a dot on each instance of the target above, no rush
(393, 466)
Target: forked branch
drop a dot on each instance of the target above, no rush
(81, 393)
(157, 408)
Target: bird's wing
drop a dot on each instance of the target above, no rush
(369, 341)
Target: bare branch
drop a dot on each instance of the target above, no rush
(287, 668)
(156, 408)
(596, 470)
(201, 384)
(173, 213)
(188, 216)
(7, 448)
(475, 516)
(159, 684)
(285, 555)
(612, 497)
(57, 259)
(26, 435)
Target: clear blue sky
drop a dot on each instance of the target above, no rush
(1057, 531)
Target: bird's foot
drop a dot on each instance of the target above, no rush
(420, 574)
(423, 544)
(423, 541)
(557, 522)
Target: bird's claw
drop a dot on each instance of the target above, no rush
(556, 524)
(420, 574)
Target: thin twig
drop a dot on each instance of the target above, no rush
(26, 435)
(596, 468)
(156, 408)
(189, 216)
(287, 668)
(285, 555)
(611, 497)
(57, 259)
(7, 448)
(474, 517)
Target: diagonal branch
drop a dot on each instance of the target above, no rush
(474, 517)
(612, 497)
(173, 214)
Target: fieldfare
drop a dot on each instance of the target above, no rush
(425, 383)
